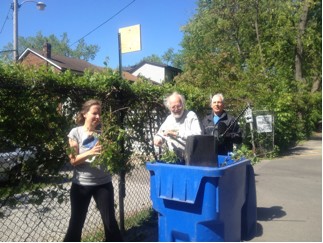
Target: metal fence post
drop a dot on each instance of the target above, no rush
(122, 194)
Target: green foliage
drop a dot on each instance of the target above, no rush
(168, 156)
(225, 38)
(246, 50)
(59, 46)
(168, 58)
(153, 58)
(95, 236)
(116, 150)
(28, 123)
(135, 224)
(39, 104)
(244, 152)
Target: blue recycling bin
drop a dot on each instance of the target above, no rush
(197, 203)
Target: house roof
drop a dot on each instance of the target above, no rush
(64, 63)
(132, 69)
(129, 76)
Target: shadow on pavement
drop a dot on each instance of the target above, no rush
(299, 149)
(267, 214)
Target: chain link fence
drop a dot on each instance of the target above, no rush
(34, 194)
(25, 218)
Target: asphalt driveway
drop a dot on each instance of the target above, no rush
(289, 195)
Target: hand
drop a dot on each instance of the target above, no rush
(220, 138)
(96, 150)
(158, 141)
(171, 133)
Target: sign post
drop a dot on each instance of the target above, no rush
(129, 40)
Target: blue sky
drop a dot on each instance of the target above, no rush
(160, 21)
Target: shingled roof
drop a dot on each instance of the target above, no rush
(62, 63)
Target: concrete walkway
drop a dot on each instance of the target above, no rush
(289, 195)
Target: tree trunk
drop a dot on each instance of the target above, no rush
(258, 35)
(316, 86)
(299, 44)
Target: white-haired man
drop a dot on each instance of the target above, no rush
(217, 122)
(180, 124)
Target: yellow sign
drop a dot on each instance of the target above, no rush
(130, 38)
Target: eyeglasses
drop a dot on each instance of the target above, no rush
(176, 107)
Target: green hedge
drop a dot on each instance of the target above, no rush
(31, 114)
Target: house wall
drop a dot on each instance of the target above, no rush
(152, 72)
(33, 60)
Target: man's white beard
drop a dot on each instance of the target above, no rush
(177, 116)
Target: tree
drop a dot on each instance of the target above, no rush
(168, 55)
(152, 58)
(172, 58)
(309, 44)
(227, 42)
(264, 51)
(168, 58)
(59, 46)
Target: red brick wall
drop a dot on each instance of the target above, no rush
(33, 60)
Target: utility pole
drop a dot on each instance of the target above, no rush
(15, 8)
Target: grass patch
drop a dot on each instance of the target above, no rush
(143, 226)
(138, 227)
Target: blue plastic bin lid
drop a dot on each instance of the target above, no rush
(178, 182)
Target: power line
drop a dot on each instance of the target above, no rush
(104, 22)
(4, 23)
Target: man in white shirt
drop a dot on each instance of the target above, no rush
(180, 124)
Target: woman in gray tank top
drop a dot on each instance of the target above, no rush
(89, 181)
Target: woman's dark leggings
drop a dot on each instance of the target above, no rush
(80, 200)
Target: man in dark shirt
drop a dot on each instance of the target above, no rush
(217, 123)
